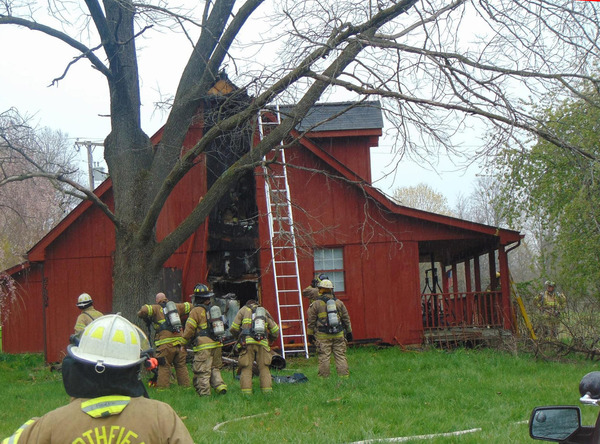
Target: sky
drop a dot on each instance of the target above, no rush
(79, 103)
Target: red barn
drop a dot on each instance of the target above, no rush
(371, 247)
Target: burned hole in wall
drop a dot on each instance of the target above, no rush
(243, 291)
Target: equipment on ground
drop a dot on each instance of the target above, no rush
(278, 362)
(293, 379)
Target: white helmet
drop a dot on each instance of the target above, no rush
(84, 300)
(109, 340)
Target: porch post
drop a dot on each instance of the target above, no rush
(469, 299)
(492, 262)
(477, 272)
(444, 278)
(505, 288)
(468, 275)
(454, 278)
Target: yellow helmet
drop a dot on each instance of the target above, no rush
(109, 340)
(325, 283)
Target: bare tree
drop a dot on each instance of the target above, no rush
(30, 205)
(434, 80)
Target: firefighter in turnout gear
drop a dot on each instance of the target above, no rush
(205, 329)
(165, 317)
(255, 328)
(551, 304)
(108, 400)
(329, 322)
(87, 315)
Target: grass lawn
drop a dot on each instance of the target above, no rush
(390, 393)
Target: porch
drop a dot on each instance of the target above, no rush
(453, 319)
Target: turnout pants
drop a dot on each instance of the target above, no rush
(174, 356)
(249, 354)
(325, 348)
(207, 372)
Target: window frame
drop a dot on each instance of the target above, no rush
(330, 271)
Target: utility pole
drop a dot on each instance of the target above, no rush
(89, 146)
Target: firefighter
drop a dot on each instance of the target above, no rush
(312, 292)
(108, 400)
(205, 329)
(551, 304)
(254, 327)
(87, 315)
(165, 317)
(329, 323)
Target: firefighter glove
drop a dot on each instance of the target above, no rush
(349, 336)
(151, 363)
(74, 339)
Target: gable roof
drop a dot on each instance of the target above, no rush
(340, 116)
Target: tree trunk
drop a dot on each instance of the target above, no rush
(135, 280)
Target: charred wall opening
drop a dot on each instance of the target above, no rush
(233, 239)
(243, 291)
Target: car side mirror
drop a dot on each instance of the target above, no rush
(554, 423)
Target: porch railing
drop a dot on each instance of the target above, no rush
(472, 309)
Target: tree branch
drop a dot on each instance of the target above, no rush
(34, 26)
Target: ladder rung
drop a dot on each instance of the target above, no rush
(293, 336)
(285, 262)
(289, 306)
(291, 320)
(287, 291)
(283, 276)
(286, 247)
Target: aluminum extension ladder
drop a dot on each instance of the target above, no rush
(284, 252)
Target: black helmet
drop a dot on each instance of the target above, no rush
(590, 384)
(202, 291)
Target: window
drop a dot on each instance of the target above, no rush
(330, 261)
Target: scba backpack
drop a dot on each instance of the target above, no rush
(332, 320)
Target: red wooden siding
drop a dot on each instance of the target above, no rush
(353, 152)
(381, 274)
(27, 313)
(79, 261)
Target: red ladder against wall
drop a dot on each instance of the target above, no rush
(284, 252)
